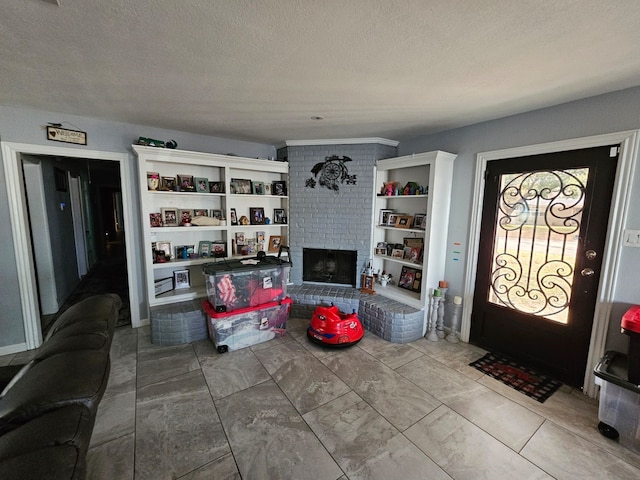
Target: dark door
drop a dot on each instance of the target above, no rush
(544, 225)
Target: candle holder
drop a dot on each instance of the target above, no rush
(433, 320)
(440, 324)
(455, 317)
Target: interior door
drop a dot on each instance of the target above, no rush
(544, 224)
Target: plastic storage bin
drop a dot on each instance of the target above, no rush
(630, 325)
(619, 410)
(247, 326)
(236, 284)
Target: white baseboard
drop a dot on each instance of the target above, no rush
(9, 349)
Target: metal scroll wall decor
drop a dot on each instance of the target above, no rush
(330, 172)
(537, 227)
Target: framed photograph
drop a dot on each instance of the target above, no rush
(267, 189)
(274, 243)
(155, 219)
(391, 219)
(397, 253)
(410, 279)
(256, 215)
(202, 185)
(216, 187)
(243, 186)
(204, 248)
(201, 212)
(413, 242)
(234, 217)
(185, 183)
(419, 221)
(412, 254)
(216, 213)
(366, 284)
(153, 180)
(258, 188)
(184, 216)
(233, 187)
(181, 279)
(168, 184)
(260, 238)
(184, 252)
(165, 249)
(383, 219)
(241, 239)
(404, 221)
(219, 249)
(279, 216)
(279, 188)
(381, 248)
(169, 217)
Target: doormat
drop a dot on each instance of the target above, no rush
(521, 378)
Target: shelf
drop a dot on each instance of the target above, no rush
(184, 263)
(201, 228)
(252, 195)
(403, 295)
(190, 194)
(180, 295)
(396, 229)
(387, 258)
(395, 197)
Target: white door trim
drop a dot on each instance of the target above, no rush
(21, 235)
(630, 147)
(79, 233)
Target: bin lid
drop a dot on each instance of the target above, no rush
(248, 264)
(613, 367)
(631, 319)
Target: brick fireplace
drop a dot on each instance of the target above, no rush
(335, 218)
(327, 266)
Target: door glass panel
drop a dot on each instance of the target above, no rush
(534, 254)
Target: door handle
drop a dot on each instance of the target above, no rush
(587, 272)
(590, 254)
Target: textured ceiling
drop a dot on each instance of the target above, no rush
(259, 70)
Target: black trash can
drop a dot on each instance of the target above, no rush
(630, 325)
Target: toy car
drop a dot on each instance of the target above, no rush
(331, 327)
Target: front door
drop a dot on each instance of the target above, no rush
(544, 224)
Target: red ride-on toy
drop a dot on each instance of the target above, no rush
(331, 327)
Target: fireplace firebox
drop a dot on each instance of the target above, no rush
(337, 267)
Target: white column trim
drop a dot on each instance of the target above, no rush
(629, 142)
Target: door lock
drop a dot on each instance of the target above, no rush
(587, 272)
(590, 254)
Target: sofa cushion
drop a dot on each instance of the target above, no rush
(18, 375)
(69, 425)
(8, 373)
(50, 463)
(70, 378)
(100, 308)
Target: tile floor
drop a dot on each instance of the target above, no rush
(288, 409)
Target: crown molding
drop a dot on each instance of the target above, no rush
(339, 141)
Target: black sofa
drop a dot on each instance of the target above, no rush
(48, 406)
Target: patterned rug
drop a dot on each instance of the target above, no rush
(521, 378)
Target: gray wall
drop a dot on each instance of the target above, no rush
(323, 218)
(19, 125)
(615, 112)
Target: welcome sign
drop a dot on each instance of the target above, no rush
(58, 134)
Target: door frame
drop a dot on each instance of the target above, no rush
(79, 232)
(11, 154)
(629, 142)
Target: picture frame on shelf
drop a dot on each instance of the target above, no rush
(234, 217)
(257, 188)
(392, 218)
(381, 248)
(184, 216)
(383, 219)
(153, 181)
(155, 219)
(419, 221)
(202, 184)
(279, 216)
(397, 253)
(233, 188)
(166, 247)
(216, 213)
(168, 184)
(404, 221)
(274, 243)
(216, 187)
(184, 252)
(204, 248)
(169, 217)
(279, 188)
(181, 279)
(241, 238)
(366, 284)
(243, 186)
(267, 188)
(410, 279)
(256, 215)
(201, 212)
(185, 183)
(412, 254)
(260, 237)
(219, 249)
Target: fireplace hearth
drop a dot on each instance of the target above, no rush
(337, 267)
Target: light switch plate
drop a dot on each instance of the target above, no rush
(631, 238)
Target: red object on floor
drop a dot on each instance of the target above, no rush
(331, 327)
